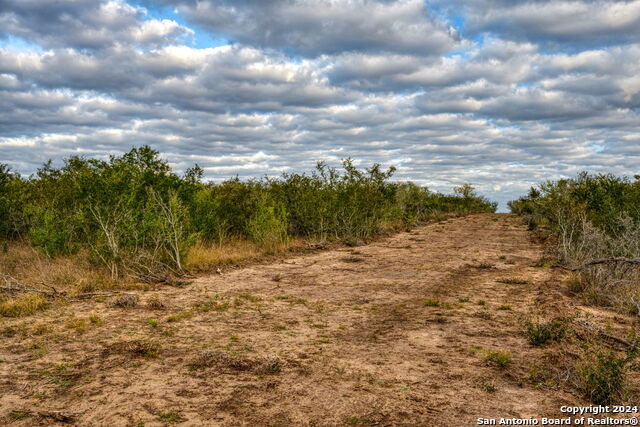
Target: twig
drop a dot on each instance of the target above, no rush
(14, 286)
(590, 327)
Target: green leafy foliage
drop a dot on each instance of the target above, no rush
(136, 217)
(592, 217)
(602, 376)
(601, 199)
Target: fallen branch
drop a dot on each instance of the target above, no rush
(593, 329)
(14, 286)
(616, 260)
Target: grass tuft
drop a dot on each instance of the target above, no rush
(498, 358)
(172, 417)
(431, 302)
(180, 316)
(23, 305)
(538, 333)
(125, 301)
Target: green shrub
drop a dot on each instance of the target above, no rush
(268, 225)
(539, 333)
(138, 218)
(592, 217)
(602, 377)
(50, 233)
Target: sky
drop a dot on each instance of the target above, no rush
(501, 94)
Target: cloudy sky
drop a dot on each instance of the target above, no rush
(498, 93)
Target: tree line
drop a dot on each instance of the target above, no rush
(135, 216)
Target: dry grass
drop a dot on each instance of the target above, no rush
(23, 305)
(135, 348)
(125, 301)
(72, 273)
(205, 257)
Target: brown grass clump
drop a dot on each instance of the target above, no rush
(135, 348)
(125, 301)
(216, 359)
(155, 303)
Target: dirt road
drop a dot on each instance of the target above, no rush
(393, 333)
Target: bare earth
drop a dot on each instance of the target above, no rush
(335, 337)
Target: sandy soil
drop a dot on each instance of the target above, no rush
(336, 337)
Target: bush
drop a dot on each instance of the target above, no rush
(539, 333)
(50, 233)
(592, 217)
(601, 377)
(268, 225)
(136, 217)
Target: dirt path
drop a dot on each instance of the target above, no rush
(393, 333)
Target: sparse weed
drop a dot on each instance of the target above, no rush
(136, 348)
(221, 360)
(41, 329)
(179, 316)
(431, 302)
(249, 297)
(77, 324)
(213, 304)
(498, 358)
(545, 262)
(483, 266)
(95, 320)
(484, 314)
(488, 385)
(19, 415)
(172, 417)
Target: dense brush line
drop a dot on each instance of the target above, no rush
(136, 217)
(592, 217)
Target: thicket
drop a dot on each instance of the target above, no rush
(595, 222)
(136, 217)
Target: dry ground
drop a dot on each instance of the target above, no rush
(392, 333)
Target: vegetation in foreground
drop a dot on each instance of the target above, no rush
(594, 222)
(133, 217)
(593, 225)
